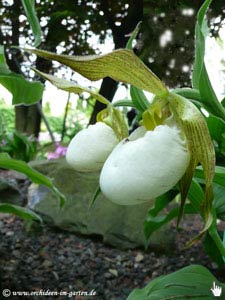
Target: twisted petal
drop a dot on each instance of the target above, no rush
(144, 166)
(89, 149)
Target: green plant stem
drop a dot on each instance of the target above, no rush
(65, 117)
(188, 93)
(128, 103)
(46, 122)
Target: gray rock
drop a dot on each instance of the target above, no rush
(120, 226)
(9, 192)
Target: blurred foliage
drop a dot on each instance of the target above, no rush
(16, 144)
(7, 117)
(173, 61)
(77, 21)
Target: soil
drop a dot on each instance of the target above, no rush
(46, 259)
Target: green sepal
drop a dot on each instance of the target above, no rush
(115, 119)
(121, 65)
(194, 127)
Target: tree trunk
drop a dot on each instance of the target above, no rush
(27, 118)
(120, 38)
(107, 89)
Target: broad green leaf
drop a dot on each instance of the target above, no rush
(216, 127)
(208, 95)
(29, 7)
(219, 201)
(195, 195)
(121, 65)
(200, 78)
(219, 177)
(155, 220)
(22, 90)
(212, 250)
(7, 162)
(213, 232)
(21, 212)
(192, 282)
(200, 32)
(71, 87)
(153, 223)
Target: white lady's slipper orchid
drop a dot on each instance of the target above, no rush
(144, 166)
(90, 147)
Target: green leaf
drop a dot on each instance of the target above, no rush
(153, 222)
(22, 90)
(219, 176)
(21, 212)
(195, 195)
(212, 250)
(219, 201)
(188, 93)
(200, 78)
(133, 36)
(124, 102)
(216, 127)
(192, 282)
(139, 99)
(208, 95)
(121, 65)
(7, 162)
(95, 196)
(29, 8)
(71, 87)
(200, 34)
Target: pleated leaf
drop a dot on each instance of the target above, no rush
(192, 282)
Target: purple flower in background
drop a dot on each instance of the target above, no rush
(59, 151)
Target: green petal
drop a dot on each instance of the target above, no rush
(201, 148)
(71, 87)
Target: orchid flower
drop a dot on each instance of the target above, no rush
(143, 167)
(90, 147)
